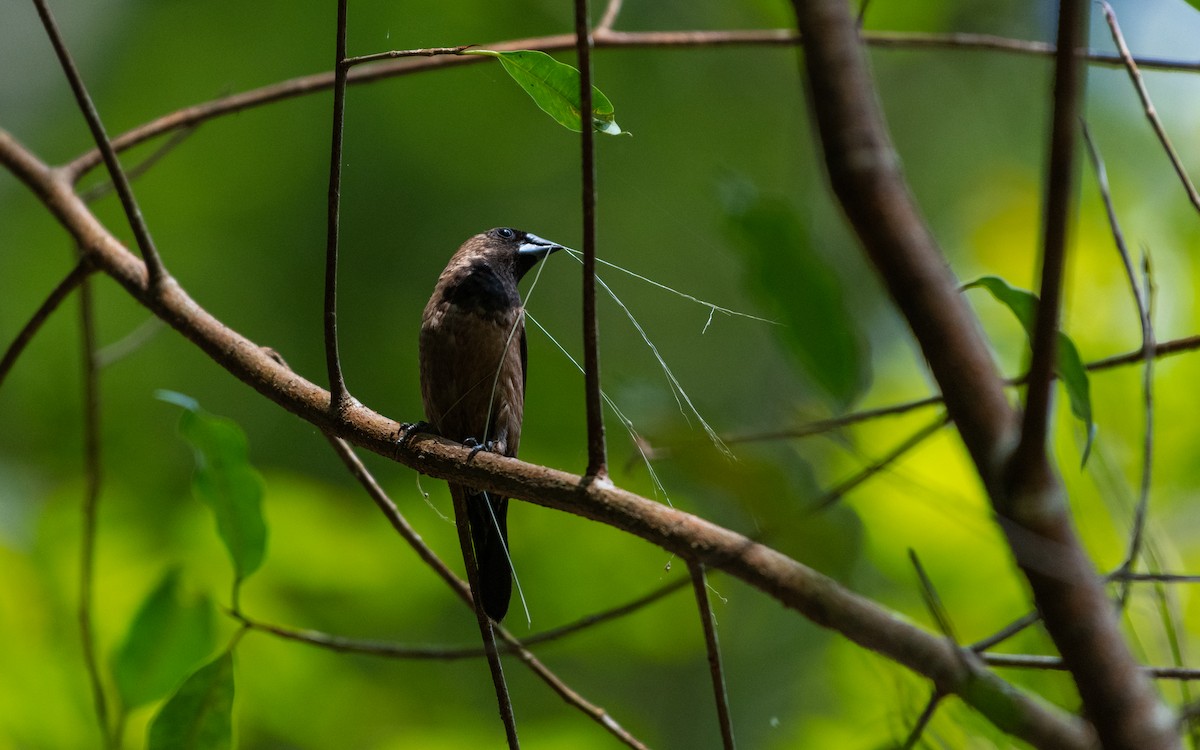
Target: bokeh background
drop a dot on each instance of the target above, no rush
(719, 194)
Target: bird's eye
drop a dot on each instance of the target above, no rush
(505, 233)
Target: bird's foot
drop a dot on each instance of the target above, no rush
(407, 430)
(491, 446)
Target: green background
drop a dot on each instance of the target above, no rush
(718, 193)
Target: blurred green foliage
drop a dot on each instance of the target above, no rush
(238, 212)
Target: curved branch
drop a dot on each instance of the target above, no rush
(815, 596)
(604, 38)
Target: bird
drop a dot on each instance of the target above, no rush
(473, 357)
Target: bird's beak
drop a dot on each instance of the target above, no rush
(537, 247)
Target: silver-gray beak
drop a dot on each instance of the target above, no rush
(537, 247)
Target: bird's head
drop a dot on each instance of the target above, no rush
(505, 247)
(483, 274)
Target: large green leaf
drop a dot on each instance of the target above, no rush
(200, 714)
(168, 637)
(226, 482)
(1070, 367)
(554, 86)
(804, 291)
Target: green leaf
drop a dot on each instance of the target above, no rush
(1069, 367)
(805, 294)
(226, 482)
(554, 87)
(200, 714)
(168, 638)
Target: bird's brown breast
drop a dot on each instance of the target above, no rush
(473, 371)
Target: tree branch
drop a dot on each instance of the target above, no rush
(597, 453)
(713, 648)
(339, 398)
(1142, 302)
(796, 586)
(436, 58)
(865, 175)
(132, 212)
(1148, 106)
(1030, 458)
(53, 300)
(93, 471)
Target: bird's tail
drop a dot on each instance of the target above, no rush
(487, 516)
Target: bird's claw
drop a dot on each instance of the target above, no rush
(476, 447)
(407, 430)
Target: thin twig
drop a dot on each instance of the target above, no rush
(486, 631)
(1171, 626)
(1155, 577)
(823, 426)
(344, 645)
(597, 453)
(134, 214)
(711, 645)
(914, 736)
(1147, 105)
(613, 613)
(820, 427)
(840, 490)
(1055, 664)
(31, 327)
(1142, 303)
(389, 649)
(933, 602)
(339, 398)
(360, 472)
(98, 191)
(1032, 618)
(604, 38)
(609, 19)
(91, 501)
(351, 62)
(130, 342)
(1029, 460)
(862, 12)
(1006, 632)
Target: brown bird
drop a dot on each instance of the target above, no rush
(473, 355)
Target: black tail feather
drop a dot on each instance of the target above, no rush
(489, 535)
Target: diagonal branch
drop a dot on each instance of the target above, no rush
(132, 212)
(865, 175)
(713, 647)
(55, 298)
(460, 588)
(796, 586)
(1151, 114)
